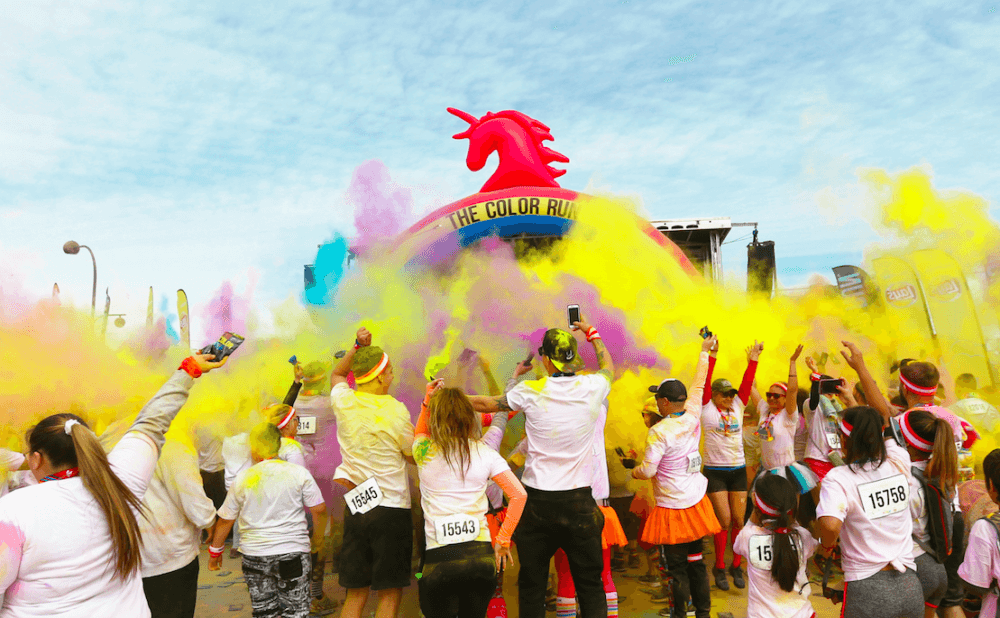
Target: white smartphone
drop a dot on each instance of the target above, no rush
(574, 315)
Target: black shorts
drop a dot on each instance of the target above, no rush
(630, 521)
(377, 549)
(732, 481)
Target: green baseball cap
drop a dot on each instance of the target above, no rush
(723, 387)
(560, 347)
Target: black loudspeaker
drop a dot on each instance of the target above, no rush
(760, 267)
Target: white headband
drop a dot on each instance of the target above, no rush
(287, 418)
(68, 427)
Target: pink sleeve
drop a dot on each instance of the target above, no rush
(747, 383)
(706, 395)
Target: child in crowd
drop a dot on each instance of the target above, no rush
(268, 498)
(778, 551)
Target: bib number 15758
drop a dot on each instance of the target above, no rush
(885, 497)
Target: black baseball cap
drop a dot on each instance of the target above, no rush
(670, 389)
(560, 347)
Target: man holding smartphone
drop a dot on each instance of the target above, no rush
(561, 414)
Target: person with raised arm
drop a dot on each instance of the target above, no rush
(561, 414)
(270, 499)
(865, 505)
(70, 546)
(455, 464)
(725, 459)
(683, 515)
(376, 442)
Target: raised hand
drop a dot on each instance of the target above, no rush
(710, 344)
(364, 337)
(753, 352)
(796, 353)
(855, 360)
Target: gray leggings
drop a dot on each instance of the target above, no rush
(886, 594)
(933, 579)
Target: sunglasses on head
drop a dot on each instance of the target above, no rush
(773, 395)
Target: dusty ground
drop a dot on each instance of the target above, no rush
(223, 593)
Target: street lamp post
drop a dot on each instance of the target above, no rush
(72, 248)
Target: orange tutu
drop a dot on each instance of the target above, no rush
(675, 526)
(613, 533)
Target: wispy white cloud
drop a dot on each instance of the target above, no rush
(152, 129)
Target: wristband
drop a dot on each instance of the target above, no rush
(357, 344)
(593, 334)
(191, 367)
(815, 377)
(215, 552)
(828, 549)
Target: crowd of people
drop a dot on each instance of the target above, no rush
(799, 482)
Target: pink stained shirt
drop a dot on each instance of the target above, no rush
(982, 563)
(672, 458)
(779, 451)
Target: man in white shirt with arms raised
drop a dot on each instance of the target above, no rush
(376, 441)
(561, 413)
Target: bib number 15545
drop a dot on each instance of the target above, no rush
(364, 497)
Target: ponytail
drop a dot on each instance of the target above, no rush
(119, 505)
(778, 495)
(943, 464)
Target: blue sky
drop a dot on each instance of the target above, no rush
(188, 142)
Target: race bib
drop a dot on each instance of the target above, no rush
(307, 425)
(364, 497)
(457, 529)
(833, 440)
(694, 462)
(761, 552)
(885, 497)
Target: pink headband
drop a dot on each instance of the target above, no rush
(287, 417)
(374, 371)
(781, 385)
(764, 507)
(926, 391)
(845, 427)
(911, 436)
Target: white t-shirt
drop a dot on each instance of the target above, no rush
(823, 433)
(873, 505)
(374, 432)
(918, 510)
(981, 414)
(723, 436)
(236, 456)
(9, 463)
(766, 599)
(292, 452)
(982, 563)
(269, 498)
(779, 451)
(55, 545)
(444, 492)
(560, 417)
(600, 487)
(177, 510)
(672, 456)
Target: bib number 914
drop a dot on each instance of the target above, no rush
(364, 497)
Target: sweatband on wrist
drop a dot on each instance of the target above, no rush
(357, 344)
(593, 334)
(191, 367)
(815, 377)
(215, 552)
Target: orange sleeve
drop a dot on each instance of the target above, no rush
(518, 497)
(421, 429)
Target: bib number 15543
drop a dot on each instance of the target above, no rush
(457, 529)
(364, 497)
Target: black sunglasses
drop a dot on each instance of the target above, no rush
(773, 395)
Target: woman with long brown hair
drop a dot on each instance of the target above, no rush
(70, 545)
(454, 465)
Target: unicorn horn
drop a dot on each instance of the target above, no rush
(472, 120)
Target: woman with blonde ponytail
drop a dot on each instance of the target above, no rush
(69, 547)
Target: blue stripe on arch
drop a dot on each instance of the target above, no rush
(532, 225)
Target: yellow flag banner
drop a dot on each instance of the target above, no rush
(904, 304)
(954, 313)
(182, 315)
